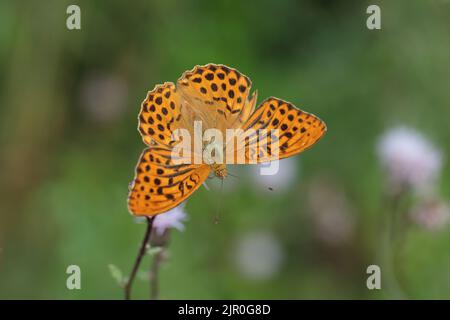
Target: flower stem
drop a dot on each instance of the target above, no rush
(154, 272)
(393, 233)
(137, 262)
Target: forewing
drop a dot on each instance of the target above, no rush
(219, 93)
(160, 115)
(278, 125)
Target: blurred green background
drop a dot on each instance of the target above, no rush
(68, 115)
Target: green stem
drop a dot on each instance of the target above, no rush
(137, 262)
(390, 252)
(154, 273)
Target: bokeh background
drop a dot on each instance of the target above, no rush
(68, 115)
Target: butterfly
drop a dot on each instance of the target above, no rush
(219, 97)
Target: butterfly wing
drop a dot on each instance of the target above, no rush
(291, 128)
(161, 184)
(220, 95)
(160, 115)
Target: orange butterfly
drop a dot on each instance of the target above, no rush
(220, 98)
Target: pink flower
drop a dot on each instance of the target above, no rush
(433, 215)
(103, 96)
(409, 159)
(333, 220)
(173, 218)
(258, 256)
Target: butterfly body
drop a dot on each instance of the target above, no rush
(211, 97)
(220, 170)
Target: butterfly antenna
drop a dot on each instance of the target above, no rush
(219, 204)
(232, 175)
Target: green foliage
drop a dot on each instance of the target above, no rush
(117, 275)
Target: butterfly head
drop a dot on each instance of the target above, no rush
(220, 170)
(213, 155)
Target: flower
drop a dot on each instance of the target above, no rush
(433, 215)
(280, 177)
(103, 96)
(258, 255)
(409, 158)
(173, 218)
(333, 220)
